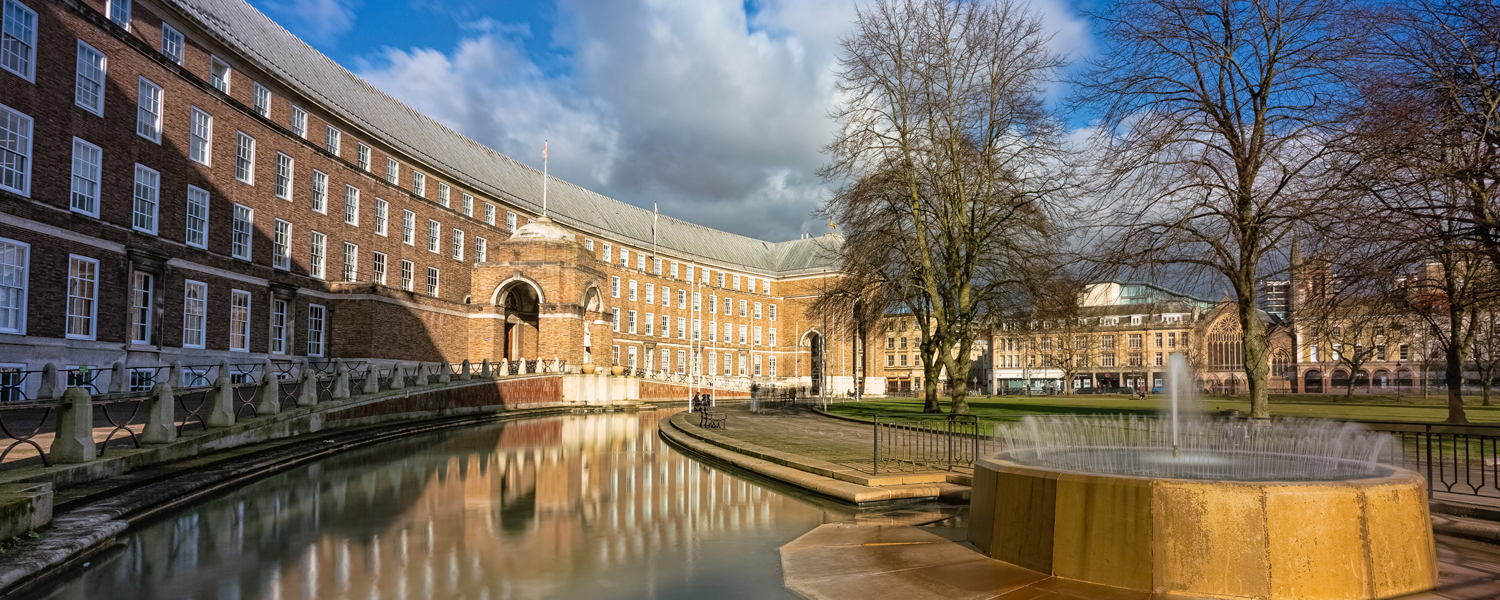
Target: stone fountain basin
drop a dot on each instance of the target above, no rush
(1351, 539)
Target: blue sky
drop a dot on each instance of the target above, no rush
(714, 109)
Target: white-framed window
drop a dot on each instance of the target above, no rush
(614, 286)
(765, 288)
(317, 319)
(640, 261)
(772, 360)
(285, 166)
(682, 298)
(742, 366)
(392, 171)
(318, 259)
(87, 159)
(666, 296)
(15, 259)
(279, 340)
(320, 192)
(721, 279)
(194, 313)
(444, 193)
(771, 337)
(674, 270)
(171, 43)
(332, 138)
(141, 291)
(607, 254)
(18, 40)
(489, 213)
(197, 217)
(418, 183)
(458, 244)
(262, 101)
(146, 199)
(408, 227)
(148, 105)
(83, 297)
(434, 236)
(281, 246)
(88, 90)
(713, 304)
(377, 271)
(698, 301)
(632, 322)
(632, 290)
(299, 122)
(200, 137)
(119, 12)
(656, 266)
(242, 233)
(743, 312)
(743, 329)
(689, 272)
(351, 205)
(650, 324)
(218, 74)
(382, 216)
(239, 321)
(757, 312)
(351, 262)
(468, 205)
(681, 327)
(432, 281)
(697, 329)
(244, 159)
(616, 320)
(757, 365)
(406, 275)
(481, 249)
(650, 293)
(750, 284)
(756, 339)
(666, 326)
(625, 257)
(772, 314)
(510, 226)
(362, 157)
(588, 244)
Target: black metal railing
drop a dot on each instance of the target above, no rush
(906, 443)
(1456, 459)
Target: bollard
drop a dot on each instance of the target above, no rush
(504, 368)
(74, 441)
(160, 416)
(398, 377)
(47, 390)
(340, 379)
(269, 402)
(372, 380)
(521, 370)
(174, 374)
(118, 378)
(421, 374)
(307, 390)
(221, 401)
(484, 369)
(443, 372)
(464, 374)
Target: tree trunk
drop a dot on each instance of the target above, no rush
(1454, 374)
(1484, 387)
(1257, 365)
(959, 364)
(930, 372)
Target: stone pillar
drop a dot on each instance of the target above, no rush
(47, 388)
(398, 377)
(269, 402)
(161, 426)
(340, 379)
(484, 369)
(74, 441)
(221, 399)
(444, 370)
(464, 374)
(119, 378)
(421, 374)
(372, 380)
(174, 374)
(307, 389)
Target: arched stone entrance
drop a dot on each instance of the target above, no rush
(519, 302)
(1312, 381)
(813, 341)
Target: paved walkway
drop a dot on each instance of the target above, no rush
(798, 430)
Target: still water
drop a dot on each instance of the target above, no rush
(593, 506)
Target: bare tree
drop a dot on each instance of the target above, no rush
(1069, 328)
(1450, 285)
(948, 161)
(1219, 140)
(1428, 111)
(1487, 350)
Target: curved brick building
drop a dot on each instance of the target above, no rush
(186, 180)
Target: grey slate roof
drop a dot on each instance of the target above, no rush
(343, 93)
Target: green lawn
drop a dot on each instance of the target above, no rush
(1365, 408)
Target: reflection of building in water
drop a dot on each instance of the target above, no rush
(531, 509)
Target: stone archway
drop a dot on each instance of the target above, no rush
(1312, 381)
(519, 302)
(813, 341)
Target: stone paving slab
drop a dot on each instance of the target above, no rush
(798, 430)
(871, 562)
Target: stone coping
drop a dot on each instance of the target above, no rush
(810, 474)
(95, 515)
(1397, 475)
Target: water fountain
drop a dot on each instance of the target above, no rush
(1204, 506)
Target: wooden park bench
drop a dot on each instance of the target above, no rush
(712, 419)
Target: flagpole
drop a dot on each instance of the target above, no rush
(544, 178)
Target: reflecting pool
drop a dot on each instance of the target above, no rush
(588, 506)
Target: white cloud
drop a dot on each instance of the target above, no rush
(317, 21)
(688, 103)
